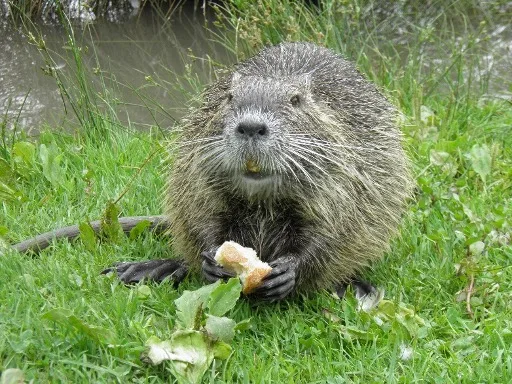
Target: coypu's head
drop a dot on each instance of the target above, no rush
(262, 121)
(294, 116)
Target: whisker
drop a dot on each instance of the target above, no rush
(310, 161)
(300, 167)
(311, 141)
(199, 140)
(335, 155)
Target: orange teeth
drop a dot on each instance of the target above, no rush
(252, 166)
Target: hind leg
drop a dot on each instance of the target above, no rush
(153, 270)
(361, 288)
(367, 295)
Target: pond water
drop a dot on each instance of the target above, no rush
(145, 50)
(128, 54)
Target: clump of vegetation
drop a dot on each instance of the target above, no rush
(203, 332)
(448, 279)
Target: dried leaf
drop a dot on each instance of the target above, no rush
(12, 376)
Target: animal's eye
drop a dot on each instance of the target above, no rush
(295, 100)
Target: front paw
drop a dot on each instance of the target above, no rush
(212, 271)
(280, 282)
(154, 270)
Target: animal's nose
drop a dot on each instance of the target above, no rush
(251, 129)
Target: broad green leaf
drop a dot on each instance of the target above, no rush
(438, 158)
(187, 351)
(387, 308)
(110, 226)
(22, 342)
(400, 317)
(352, 333)
(143, 292)
(12, 376)
(139, 228)
(87, 236)
(201, 336)
(193, 356)
(464, 346)
(88, 174)
(24, 152)
(443, 160)
(50, 160)
(307, 342)
(66, 318)
(330, 316)
(6, 172)
(220, 328)
(469, 213)
(3, 230)
(176, 348)
(221, 350)
(243, 325)
(480, 156)
(190, 304)
(224, 297)
(158, 351)
(9, 194)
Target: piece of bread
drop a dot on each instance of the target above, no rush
(244, 262)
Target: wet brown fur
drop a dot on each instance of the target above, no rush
(345, 175)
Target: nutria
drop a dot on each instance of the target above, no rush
(294, 154)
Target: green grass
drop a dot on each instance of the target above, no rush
(462, 157)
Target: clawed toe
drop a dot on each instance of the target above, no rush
(279, 283)
(274, 293)
(153, 270)
(213, 271)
